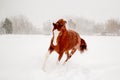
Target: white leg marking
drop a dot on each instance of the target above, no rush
(58, 62)
(56, 33)
(45, 60)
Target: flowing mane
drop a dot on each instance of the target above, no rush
(64, 41)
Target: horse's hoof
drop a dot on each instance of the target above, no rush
(43, 69)
(57, 62)
(64, 63)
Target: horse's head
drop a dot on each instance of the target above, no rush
(59, 25)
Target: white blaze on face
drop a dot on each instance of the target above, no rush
(56, 33)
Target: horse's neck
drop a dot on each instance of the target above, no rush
(63, 33)
(64, 30)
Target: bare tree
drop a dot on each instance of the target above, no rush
(112, 27)
(99, 29)
(7, 25)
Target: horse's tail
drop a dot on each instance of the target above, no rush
(83, 45)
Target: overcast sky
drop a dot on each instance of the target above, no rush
(41, 10)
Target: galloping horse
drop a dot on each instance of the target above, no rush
(64, 41)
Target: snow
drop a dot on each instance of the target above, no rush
(22, 56)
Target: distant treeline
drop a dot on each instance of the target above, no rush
(21, 25)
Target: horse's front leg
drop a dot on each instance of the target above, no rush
(59, 56)
(50, 50)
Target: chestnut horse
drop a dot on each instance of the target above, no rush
(64, 41)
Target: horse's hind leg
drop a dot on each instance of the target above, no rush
(72, 52)
(69, 55)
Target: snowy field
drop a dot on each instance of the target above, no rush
(21, 58)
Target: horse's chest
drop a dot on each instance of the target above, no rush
(60, 42)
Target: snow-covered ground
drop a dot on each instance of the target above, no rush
(21, 58)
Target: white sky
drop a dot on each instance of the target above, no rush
(42, 10)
